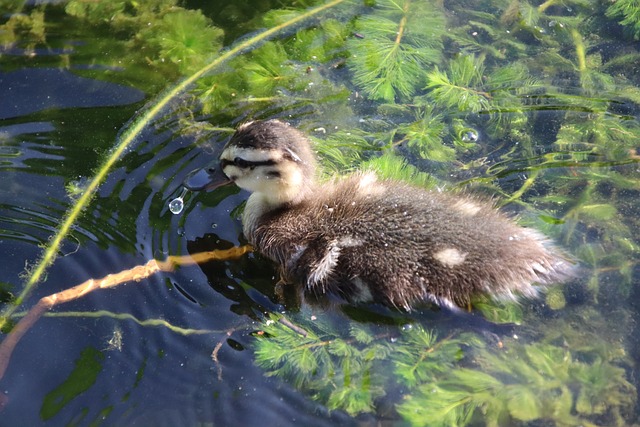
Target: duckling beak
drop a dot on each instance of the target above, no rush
(207, 178)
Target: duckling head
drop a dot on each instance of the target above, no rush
(272, 160)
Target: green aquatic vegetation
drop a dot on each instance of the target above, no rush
(424, 136)
(343, 150)
(28, 29)
(164, 31)
(554, 298)
(392, 166)
(485, 35)
(459, 88)
(454, 380)
(336, 370)
(591, 208)
(320, 44)
(419, 355)
(268, 68)
(525, 383)
(499, 311)
(607, 135)
(394, 46)
(185, 38)
(344, 370)
(628, 11)
(470, 96)
(84, 375)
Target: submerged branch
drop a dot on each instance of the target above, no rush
(136, 274)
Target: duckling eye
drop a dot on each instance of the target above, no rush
(242, 163)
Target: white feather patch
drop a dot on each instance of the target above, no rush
(323, 268)
(450, 257)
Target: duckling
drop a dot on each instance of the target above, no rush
(367, 239)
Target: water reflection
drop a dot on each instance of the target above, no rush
(31, 90)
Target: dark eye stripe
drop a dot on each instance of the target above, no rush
(243, 164)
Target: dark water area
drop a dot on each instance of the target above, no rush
(192, 346)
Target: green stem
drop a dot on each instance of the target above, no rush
(580, 51)
(544, 6)
(128, 137)
(127, 316)
(527, 184)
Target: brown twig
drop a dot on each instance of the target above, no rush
(136, 274)
(216, 350)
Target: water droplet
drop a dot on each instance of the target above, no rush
(181, 231)
(393, 339)
(176, 205)
(407, 327)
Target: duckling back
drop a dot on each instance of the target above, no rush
(396, 244)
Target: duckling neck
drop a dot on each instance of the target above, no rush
(260, 203)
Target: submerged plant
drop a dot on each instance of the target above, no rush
(343, 370)
(454, 380)
(530, 382)
(336, 370)
(628, 11)
(394, 46)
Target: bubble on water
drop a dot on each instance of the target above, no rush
(470, 136)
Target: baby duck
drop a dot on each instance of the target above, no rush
(367, 239)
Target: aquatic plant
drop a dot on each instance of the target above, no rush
(629, 12)
(393, 47)
(530, 382)
(343, 371)
(454, 380)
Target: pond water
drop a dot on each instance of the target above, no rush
(106, 107)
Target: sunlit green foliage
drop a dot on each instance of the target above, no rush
(320, 44)
(454, 380)
(268, 68)
(186, 38)
(336, 370)
(394, 46)
(344, 371)
(424, 136)
(530, 382)
(160, 28)
(392, 166)
(29, 29)
(629, 11)
(499, 311)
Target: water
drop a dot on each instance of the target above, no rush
(180, 347)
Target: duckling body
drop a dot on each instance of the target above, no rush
(378, 240)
